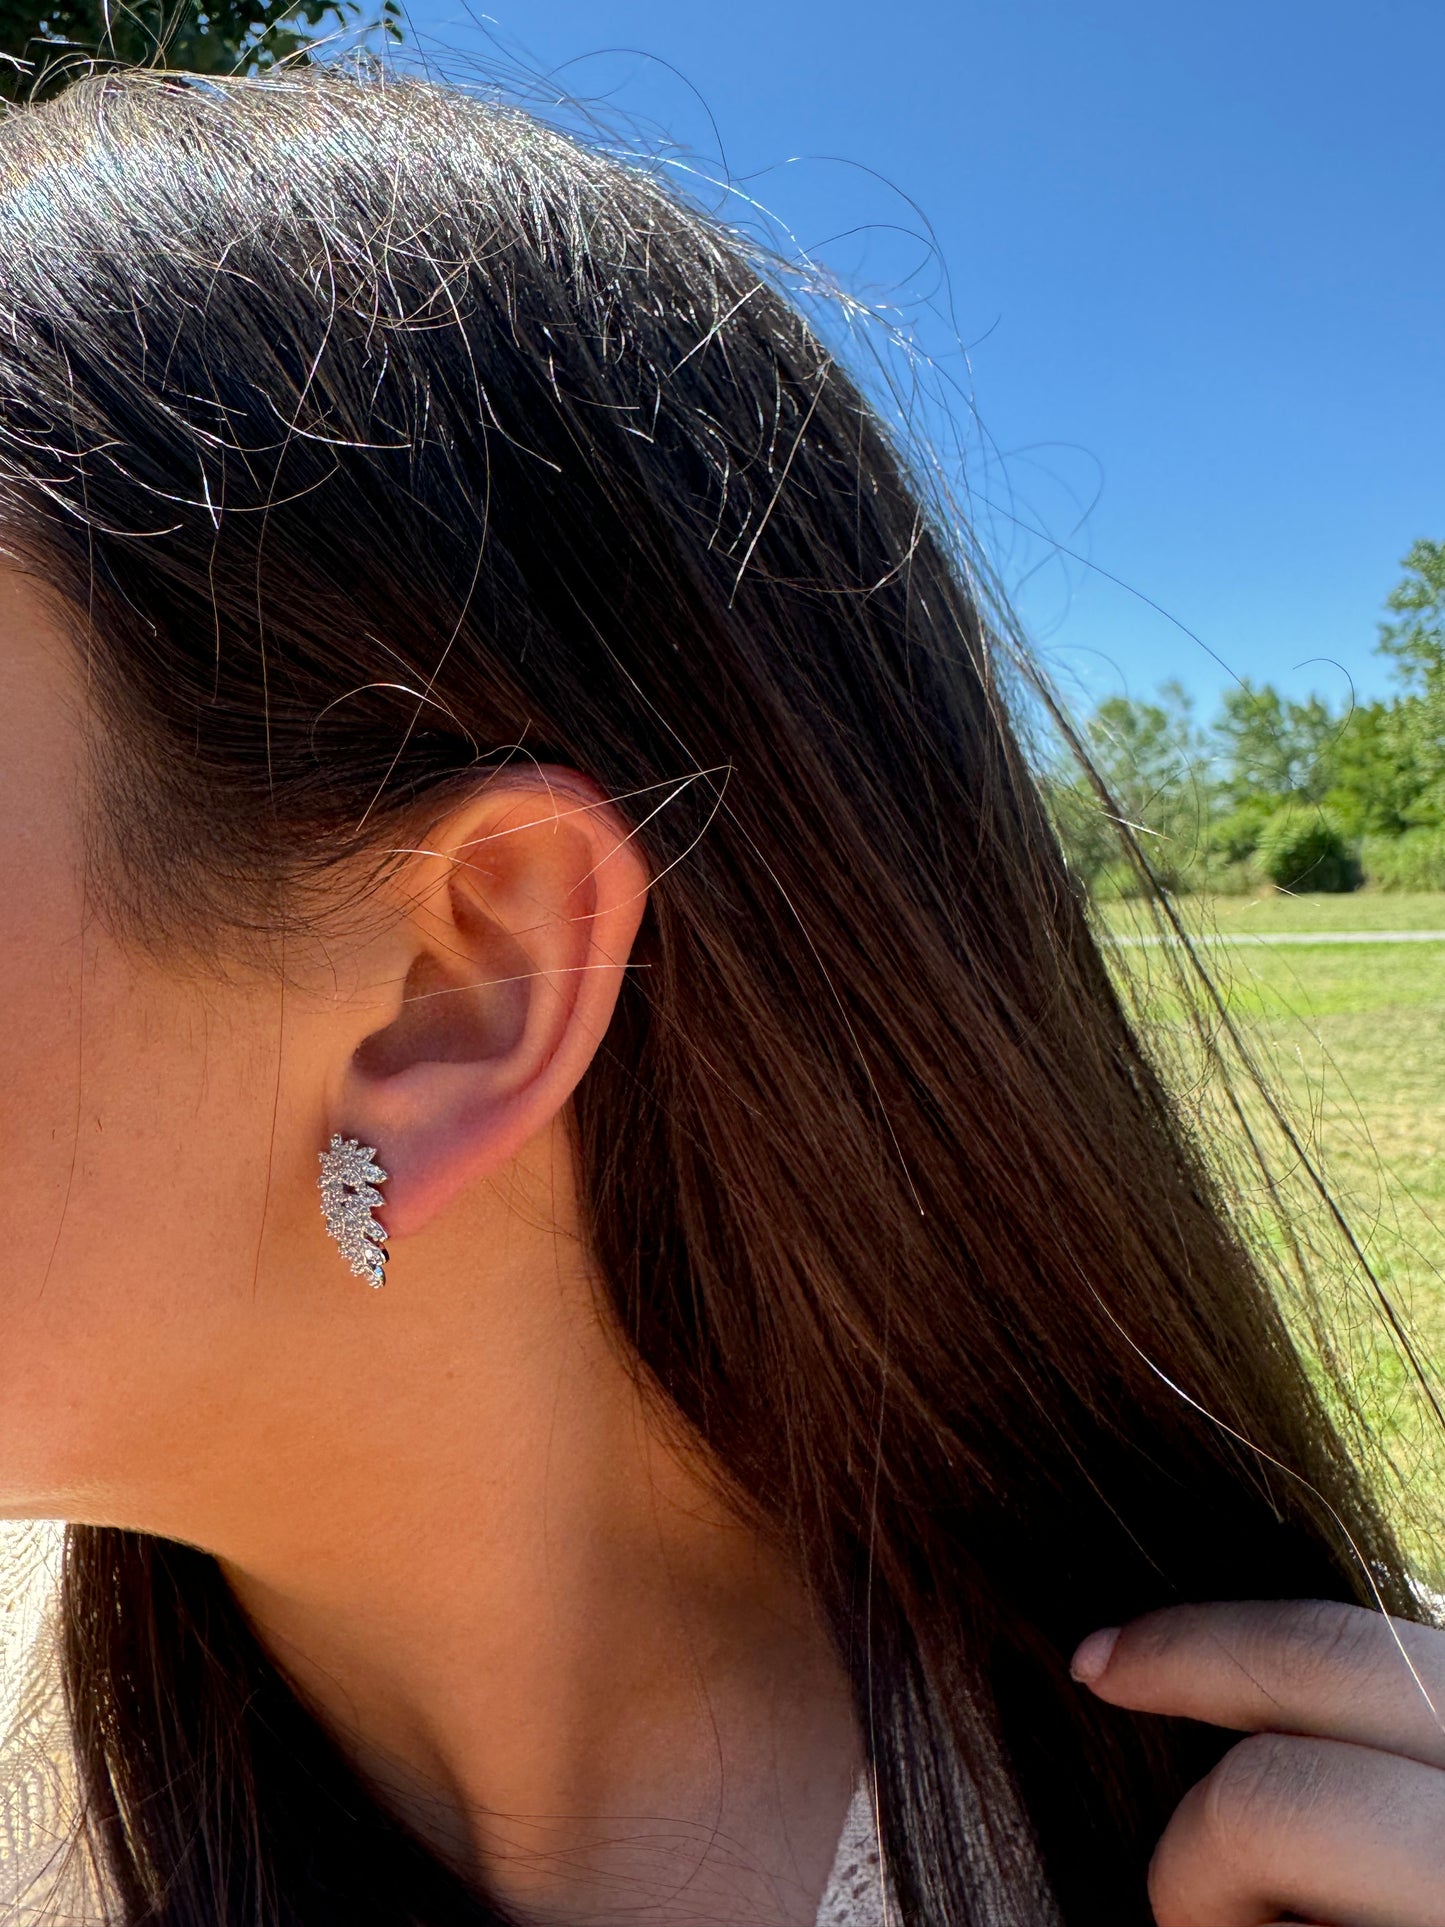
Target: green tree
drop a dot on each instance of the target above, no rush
(1416, 641)
(1152, 759)
(43, 42)
(1271, 747)
(1373, 782)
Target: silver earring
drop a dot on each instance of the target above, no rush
(349, 1176)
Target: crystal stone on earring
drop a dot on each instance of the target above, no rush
(349, 1176)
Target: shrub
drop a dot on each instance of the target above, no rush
(1413, 861)
(1228, 880)
(1235, 837)
(1303, 849)
(1116, 882)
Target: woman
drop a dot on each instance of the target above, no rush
(485, 707)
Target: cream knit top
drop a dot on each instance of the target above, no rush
(42, 1884)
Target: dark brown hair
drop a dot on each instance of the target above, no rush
(372, 433)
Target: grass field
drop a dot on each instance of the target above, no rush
(1354, 1037)
(1361, 910)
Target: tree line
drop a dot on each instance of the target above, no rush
(1299, 794)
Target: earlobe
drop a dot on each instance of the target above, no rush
(522, 911)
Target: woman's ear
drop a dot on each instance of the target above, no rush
(521, 915)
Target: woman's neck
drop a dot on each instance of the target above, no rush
(531, 1621)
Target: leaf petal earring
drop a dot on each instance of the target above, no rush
(349, 1176)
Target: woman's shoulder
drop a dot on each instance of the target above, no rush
(41, 1872)
(855, 1895)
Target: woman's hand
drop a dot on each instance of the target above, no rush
(1334, 1810)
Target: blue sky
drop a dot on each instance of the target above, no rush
(1194, 254)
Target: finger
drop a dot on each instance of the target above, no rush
(1310, 1828)
(1289, 1666)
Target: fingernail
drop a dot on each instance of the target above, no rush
(1094, 1655)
